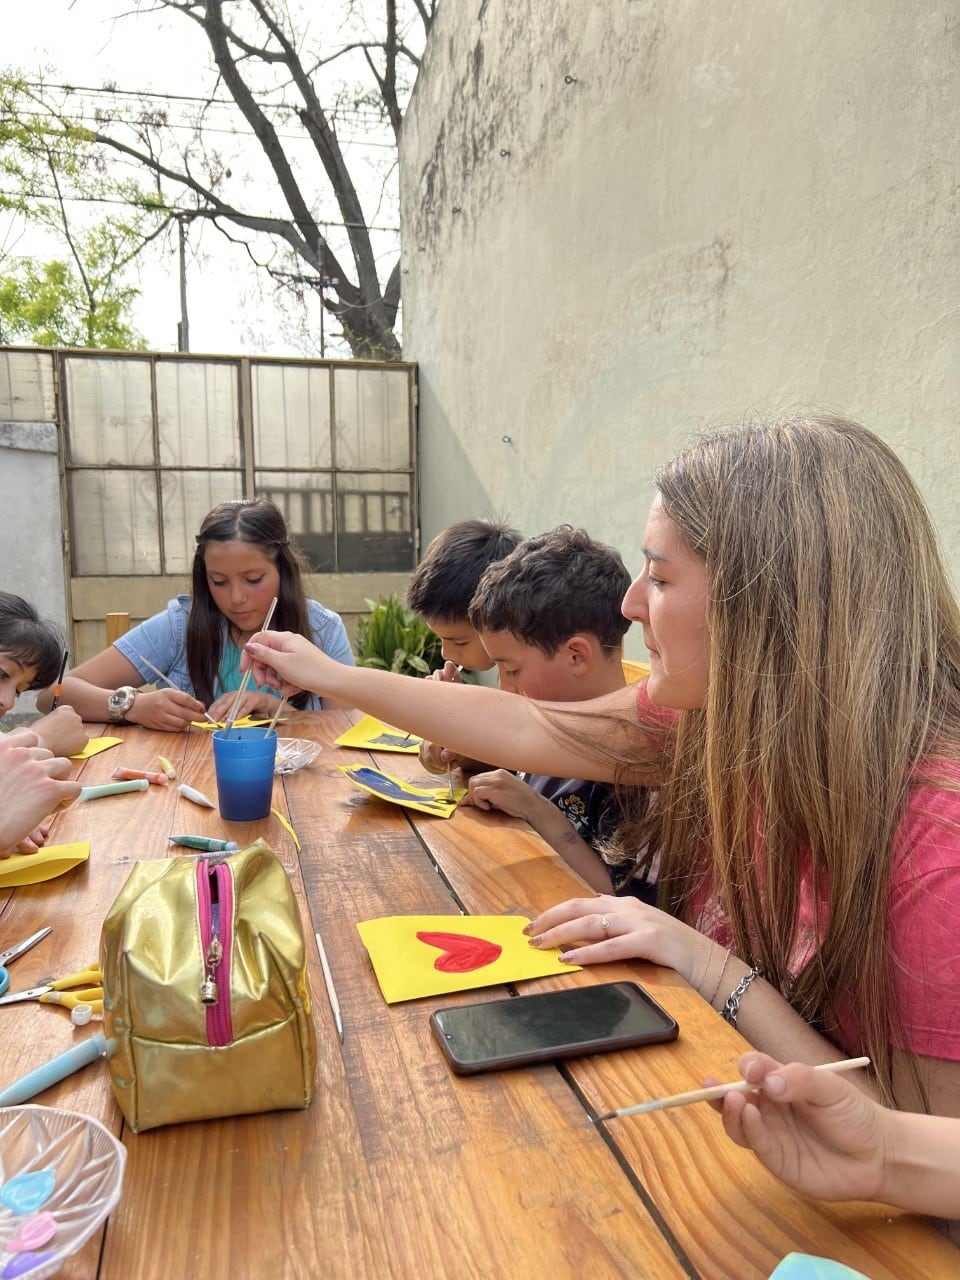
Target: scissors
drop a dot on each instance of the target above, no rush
(85, 987)
(18, 950)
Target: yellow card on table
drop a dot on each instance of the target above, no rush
(371, 734)
(95, 746)
(245, 722)
(435, 800)
(32, 868)
(416, 956)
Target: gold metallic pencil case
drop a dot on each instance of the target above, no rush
(205, 990)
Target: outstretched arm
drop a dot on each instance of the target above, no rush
(484, 724)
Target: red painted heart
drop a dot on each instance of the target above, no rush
(460, 952)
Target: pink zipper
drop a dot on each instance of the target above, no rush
(215, 904)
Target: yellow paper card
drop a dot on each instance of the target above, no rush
(415, 956)
(243, 723)
(371, 734)
(52, 860)
(435, 800)
(95, 746)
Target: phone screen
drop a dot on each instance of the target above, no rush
(555, 1024)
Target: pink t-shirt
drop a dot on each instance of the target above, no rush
(924, 917)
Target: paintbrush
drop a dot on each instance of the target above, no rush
(718, 1091)
(59, 685)
(246, 675)
(276, 714)
(160, 676)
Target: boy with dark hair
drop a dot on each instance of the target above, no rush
(443, 585)
(549, 616)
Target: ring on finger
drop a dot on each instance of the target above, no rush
(605, 926)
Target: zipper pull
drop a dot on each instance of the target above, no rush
(209, 988)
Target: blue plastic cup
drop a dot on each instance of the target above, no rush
(244, 761)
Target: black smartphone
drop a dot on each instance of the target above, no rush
(552, 1024)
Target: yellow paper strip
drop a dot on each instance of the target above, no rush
(244, 723)
(284, 823)
(95, 746)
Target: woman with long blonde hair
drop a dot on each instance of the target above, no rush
(802, 725)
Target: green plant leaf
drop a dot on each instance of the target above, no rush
(394, 638)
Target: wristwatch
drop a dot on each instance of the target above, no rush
(120, 702)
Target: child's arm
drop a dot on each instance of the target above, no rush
(503, 790)
(61, 732)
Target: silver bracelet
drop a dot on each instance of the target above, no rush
(731, 1007)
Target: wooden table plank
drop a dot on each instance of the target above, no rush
(730, 1217)
(427, 1136)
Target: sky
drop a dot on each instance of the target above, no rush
(87, 43)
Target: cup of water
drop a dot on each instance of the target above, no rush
(244, 761)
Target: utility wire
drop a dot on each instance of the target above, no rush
(143, 94)
(181, 213)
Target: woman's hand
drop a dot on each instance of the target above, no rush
(815, 1131)
(254, 703)
(169, 710)
(597, 930)
(286, 662)
(61, 731)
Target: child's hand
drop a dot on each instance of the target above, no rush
(32, 784)
(503, 790)
(61, 731)
(169, 710)
(35, 841)
(449, 672)
(255, 704)
(440, 760)
(435, 758)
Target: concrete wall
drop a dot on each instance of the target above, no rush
(624, 219)
(30, 526)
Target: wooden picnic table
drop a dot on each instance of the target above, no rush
(400, 1168)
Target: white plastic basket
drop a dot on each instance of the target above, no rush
(88, 1164)
(295, 753)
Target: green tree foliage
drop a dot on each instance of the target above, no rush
(51, 179)
(46, 304)
(277, 175)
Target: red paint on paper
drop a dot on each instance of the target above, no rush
(460, 953)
